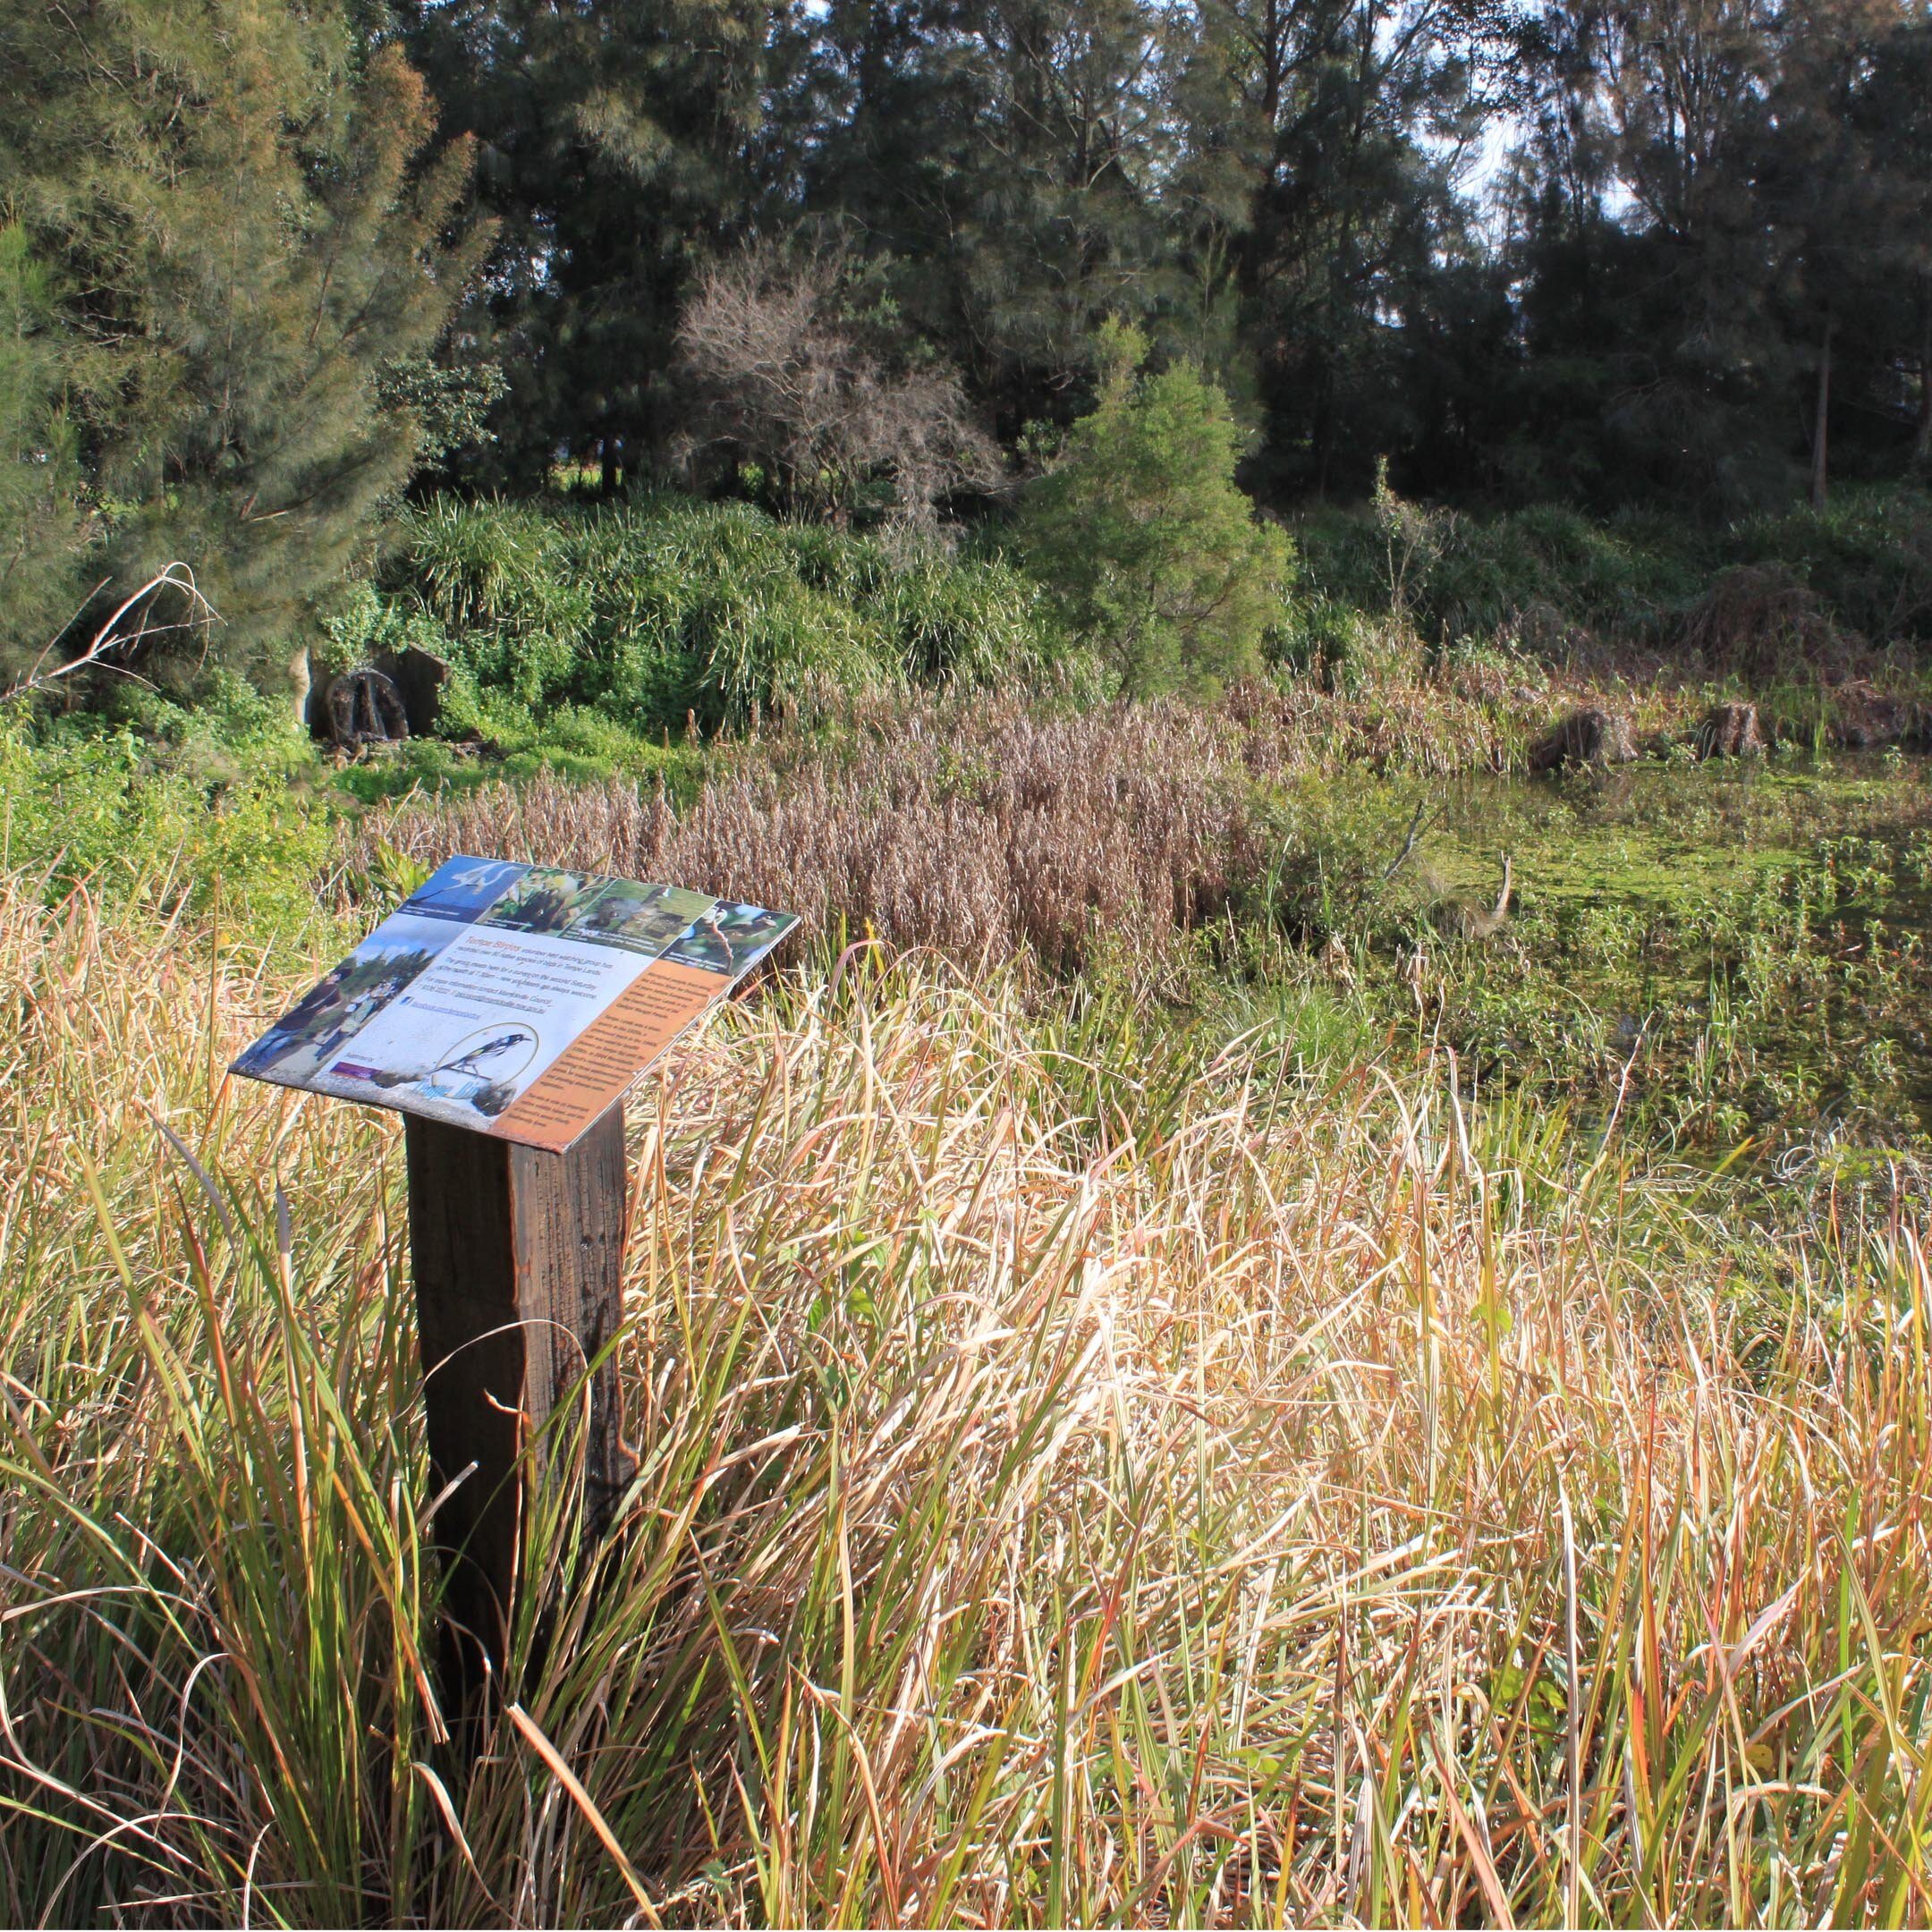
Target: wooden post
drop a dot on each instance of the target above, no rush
(519, 1262)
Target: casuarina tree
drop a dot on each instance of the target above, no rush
(44, 525)
(1153, 553)
(226, 200)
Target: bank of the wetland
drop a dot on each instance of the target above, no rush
(1726, 954)
(1722, 952)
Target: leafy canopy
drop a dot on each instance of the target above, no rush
(235, 243)
(1152, 552)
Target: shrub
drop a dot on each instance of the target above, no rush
(1452, 573)
(365, 625)
(194, 805)
(653, 610)
(1153, 554)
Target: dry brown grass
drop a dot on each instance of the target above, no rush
(1758, 621)
(1298, 1504)
(1473, 720)
(981, 833)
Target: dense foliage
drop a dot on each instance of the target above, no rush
(263, 270)
(657, 614)
(1155, 557)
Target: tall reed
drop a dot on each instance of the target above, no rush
(980, 833)
(1075, 1483)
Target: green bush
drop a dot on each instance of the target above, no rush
(1154, 556)
(1317, 637)
(1459, 574)
(652, 611)
(196, 804)
(364, 625)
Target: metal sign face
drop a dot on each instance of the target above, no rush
(514, 1000)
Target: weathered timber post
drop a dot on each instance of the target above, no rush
(519, 1263)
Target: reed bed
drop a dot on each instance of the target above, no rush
(988, 829)
(984, 834)
(1076, 1483)
(984, 830)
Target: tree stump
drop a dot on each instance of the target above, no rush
(1586, 737)
(419, 677)
(365, 708)
(1730, 731)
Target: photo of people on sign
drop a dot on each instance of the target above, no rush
(302, 1041)
(519, 1001)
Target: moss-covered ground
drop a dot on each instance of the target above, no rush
(1732, 955)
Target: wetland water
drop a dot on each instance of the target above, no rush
(1739, 948)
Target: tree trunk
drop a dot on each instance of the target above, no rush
(1922, 435)
(1821, 420)
(301, 682)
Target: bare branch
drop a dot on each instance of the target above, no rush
(783, 378)
(112, 637)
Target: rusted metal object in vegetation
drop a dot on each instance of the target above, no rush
(365, 708)
(1587, 737)
(1731, 730)
(419, 677)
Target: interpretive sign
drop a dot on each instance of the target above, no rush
(516, 1001)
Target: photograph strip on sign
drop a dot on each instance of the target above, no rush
(519, 1001)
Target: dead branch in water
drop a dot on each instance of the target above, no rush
(1409, 843)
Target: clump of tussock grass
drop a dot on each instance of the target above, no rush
(649, 610)
(1759, 620)
(1249, 1498)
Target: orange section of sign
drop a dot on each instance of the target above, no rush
(594, 1071)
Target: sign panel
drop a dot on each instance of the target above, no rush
(515, 1000)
